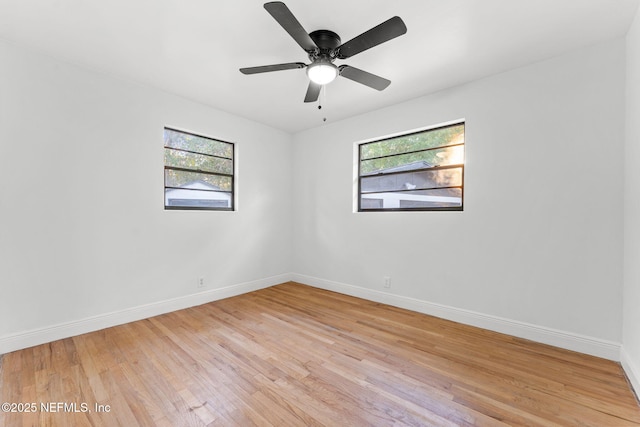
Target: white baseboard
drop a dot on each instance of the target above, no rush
(567, 340)
(9, 343)
(576, 342)
(632, 370)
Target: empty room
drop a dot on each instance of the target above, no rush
(338, 213)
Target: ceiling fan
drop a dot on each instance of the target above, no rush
(323, 47)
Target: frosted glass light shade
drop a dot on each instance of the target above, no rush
(322, 72)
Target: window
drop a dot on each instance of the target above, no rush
(198, 172)
(421, 171)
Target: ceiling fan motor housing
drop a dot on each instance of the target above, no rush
(327, 42)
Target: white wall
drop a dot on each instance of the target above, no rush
(540, 240)
(83, 230)
(631, 322)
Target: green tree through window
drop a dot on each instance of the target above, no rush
(417, 171)
(198, 172)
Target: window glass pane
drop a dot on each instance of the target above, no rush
(419, 160)
(412, 180)
(196, 199)
(173, 178)
(417, 171)
(199, 144)
(370, 203)
(186, 160)
(198, 172)
(418, 141)
(424, 199)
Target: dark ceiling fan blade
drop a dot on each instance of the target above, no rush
(363, 77)
(285, 18)
(384, 32)
(274, 67)
(313, 92)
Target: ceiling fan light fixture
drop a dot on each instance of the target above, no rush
(323, 47)
(322, 72)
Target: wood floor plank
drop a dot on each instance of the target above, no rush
(293, 355)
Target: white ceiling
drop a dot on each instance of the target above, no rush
(194, 48)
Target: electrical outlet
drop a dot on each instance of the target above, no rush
(387, 281)
(201, 282)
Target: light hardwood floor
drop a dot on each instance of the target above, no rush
(295, 355)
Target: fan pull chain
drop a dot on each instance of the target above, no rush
(322, 98)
